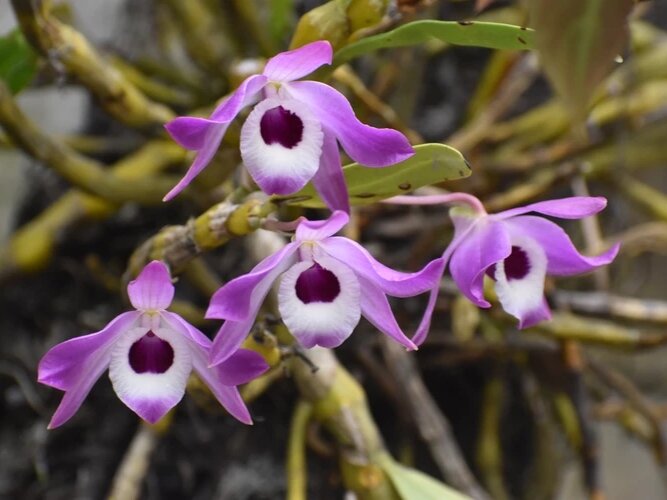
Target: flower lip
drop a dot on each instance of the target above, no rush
(151, 354)
(317, 322)
(317, 284)
(282, 126)
(283, 165)
(523, 297)
(517, 265)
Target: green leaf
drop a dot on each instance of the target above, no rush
(414, 485)
(577, 42)
(431, 164)
(18, 62)
(477, 34)
(280, 18)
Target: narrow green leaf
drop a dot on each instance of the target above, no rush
(414, 485)
(477, 34)
(280, 18)
(577, 42)
(431, 164)
(18, 62)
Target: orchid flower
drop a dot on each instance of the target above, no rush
(150, 353)
(326, 284)
(290, 136)
(516, 250)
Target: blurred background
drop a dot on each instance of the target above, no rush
(573, 409)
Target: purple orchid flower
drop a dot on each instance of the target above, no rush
(290, 136)
(326, 283)
(150, 353)
(516, 250)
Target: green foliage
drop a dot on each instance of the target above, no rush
(577, 43)
(431, 164)
(478, 34)
(414, 485)
(18, 62)
(280, 18)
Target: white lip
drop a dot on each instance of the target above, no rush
(319, 323)
(272, 165)
(521, 296)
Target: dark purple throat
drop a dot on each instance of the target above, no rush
(317, 284)
(517, 265)
(151, 354)
(282, 126)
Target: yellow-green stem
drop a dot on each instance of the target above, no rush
(80, 171)
(296, 452)
(57, 41)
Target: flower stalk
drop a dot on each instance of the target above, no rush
(440, 199)
(296, 452)
(177, 245)
(339, 404)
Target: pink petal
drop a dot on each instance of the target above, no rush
(394, 283)
(370, 146)
(575, 207)
(227, 395)
(245, 94)
(425, 323)
(318, 230)
(563, 259)
(188, 331)
(297, 63)
(75, 365)
(207, 136)
(229, 338)
(204, 156)
(74, 397)
(152, 290)
(484, 245)
(231, 400)
(240, 298)
(329, 180)
(190, 131)
(241, 367)
(375, 308)
(462, 224)
(64, 364)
